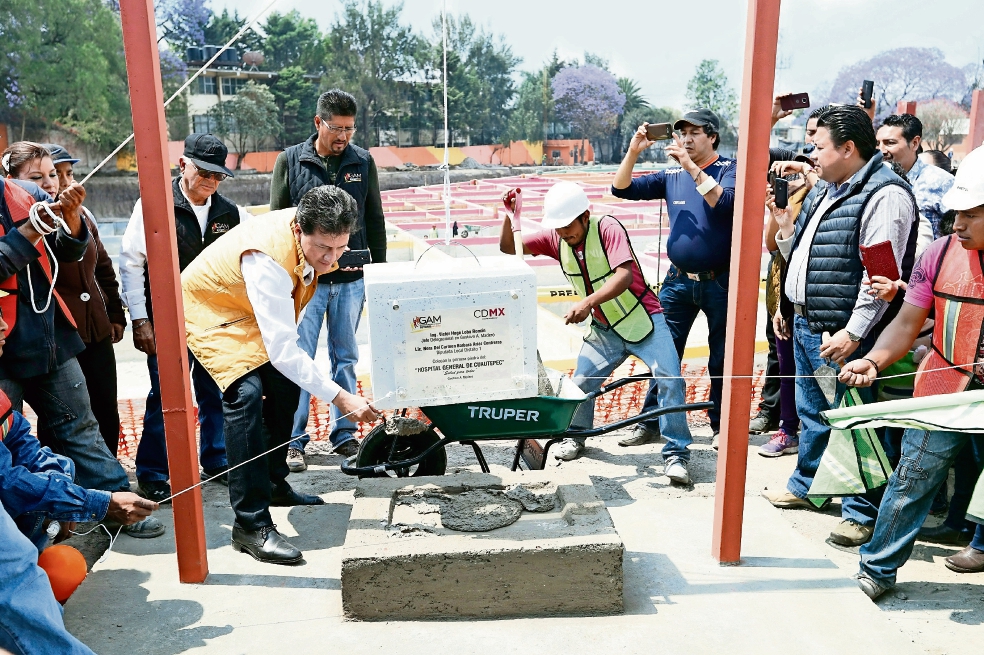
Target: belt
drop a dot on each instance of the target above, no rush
(704, 276)
(799, 309)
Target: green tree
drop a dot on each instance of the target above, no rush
(222, 27)
(369, 52)
(634, 103)
(62, 66)
(247, 119)
(292, 40)
(534, 108)
(709, 88)
(480, 79)
(296, 97)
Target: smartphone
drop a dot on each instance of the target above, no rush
(879, 259)
(781, 189)
(795, 101)
(867, 91)
(659, 131)
(354, 259)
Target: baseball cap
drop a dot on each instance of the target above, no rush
(700, 118)
(58, 154)
(207, 153)
(967, 191)
(564, 202)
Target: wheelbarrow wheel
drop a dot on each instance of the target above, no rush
(377, 447)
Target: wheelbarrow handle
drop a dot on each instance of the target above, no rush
(645, 416)
(638, 377)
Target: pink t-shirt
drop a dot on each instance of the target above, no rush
(616, 242)
(920, 289)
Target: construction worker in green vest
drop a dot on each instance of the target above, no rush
(626, 317)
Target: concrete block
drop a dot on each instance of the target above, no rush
(400, 562)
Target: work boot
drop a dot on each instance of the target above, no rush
(154, 490)
(295, 460)
(851, 533)
(347, 449)
(265, 545)
(968, 560)
(762, 423)
(675, 468)
(568, 449)
(786, 500)
(870, 588)
(944, 534)
(781, 443)
(640, 435)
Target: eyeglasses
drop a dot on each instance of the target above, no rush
(209, 175)
(337, 129)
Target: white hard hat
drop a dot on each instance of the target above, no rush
(967, 191)
(564, 202)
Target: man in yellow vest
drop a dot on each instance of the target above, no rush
(243, 296)
(950, 278)
(626, 317)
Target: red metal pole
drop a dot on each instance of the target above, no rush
(905, 107)
(975, 135)
(761, 41)
(149, 127)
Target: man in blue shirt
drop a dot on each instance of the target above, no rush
(700, 200)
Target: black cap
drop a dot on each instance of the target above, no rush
(700, 118)
(207, 153)
(58, 154)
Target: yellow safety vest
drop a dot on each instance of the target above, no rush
(625, 313)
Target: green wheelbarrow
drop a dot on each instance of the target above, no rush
(541, 417)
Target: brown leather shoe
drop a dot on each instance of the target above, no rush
(968, 560)
(785, 500)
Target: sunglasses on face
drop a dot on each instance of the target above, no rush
(209, 175)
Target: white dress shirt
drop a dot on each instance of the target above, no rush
(133, 256)
(269, 287)
(888, 216)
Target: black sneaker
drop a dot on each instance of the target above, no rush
(219, 475)
(155, 491)
(763, 423)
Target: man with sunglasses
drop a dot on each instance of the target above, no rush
(201, 215)
(329, 158)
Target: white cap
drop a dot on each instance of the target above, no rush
(564, 202)
(967, 191)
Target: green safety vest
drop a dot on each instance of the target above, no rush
(625, 313)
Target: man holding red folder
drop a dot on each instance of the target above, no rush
(863, 203)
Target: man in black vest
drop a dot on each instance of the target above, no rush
(201, 215)
(862, 204)
(328, 157)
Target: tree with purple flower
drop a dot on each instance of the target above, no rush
(589, 99)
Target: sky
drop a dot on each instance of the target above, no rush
(660, 42)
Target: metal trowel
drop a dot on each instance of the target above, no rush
(826, 376)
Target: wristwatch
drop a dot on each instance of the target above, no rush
(853, 337)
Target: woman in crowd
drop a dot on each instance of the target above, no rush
(89, 287)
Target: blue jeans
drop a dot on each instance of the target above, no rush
(339, 304)
(681, 299)
(30, 618)
(603, 351)
(814, 433)
(926, 460)
(151, 457)
(60, 398)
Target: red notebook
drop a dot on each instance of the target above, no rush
(879, 259)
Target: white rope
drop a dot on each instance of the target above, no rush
(251, 459)
(446, 166)
(44, 229)
(184, 86)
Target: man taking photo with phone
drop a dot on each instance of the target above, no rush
(700, 198)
